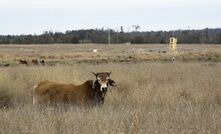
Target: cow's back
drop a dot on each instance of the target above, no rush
(50, 91)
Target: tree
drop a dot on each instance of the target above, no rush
(75, 40)
(219, 38)
(138, 40)
(100, 36)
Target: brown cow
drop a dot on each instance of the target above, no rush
(42, 62)
(34, 61)
(90, 92)
(5, 65)
(23, 62)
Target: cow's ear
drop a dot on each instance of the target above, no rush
(109, 73)
(94, 74)
(112, 82)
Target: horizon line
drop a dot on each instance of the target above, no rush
(106, 29)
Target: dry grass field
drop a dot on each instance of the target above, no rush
(154, 95)
(75, 54)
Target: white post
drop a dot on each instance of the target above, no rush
(109, 36)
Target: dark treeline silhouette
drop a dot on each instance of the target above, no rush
(100, 36)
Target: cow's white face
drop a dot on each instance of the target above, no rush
(101, 84)
(103, 81)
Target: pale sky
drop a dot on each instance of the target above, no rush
(36, 16)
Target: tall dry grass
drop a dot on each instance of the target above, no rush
(152, 98)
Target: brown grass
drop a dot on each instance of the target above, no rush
(153, 97)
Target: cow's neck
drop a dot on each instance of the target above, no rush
(96, 96)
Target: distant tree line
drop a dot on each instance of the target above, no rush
(100, 36)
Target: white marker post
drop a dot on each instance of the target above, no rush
(109, 37)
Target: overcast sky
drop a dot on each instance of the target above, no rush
(36, 16)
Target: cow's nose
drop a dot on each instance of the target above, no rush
(104, 88)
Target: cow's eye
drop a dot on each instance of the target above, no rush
(98, 78)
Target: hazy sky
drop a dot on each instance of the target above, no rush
(36, 16)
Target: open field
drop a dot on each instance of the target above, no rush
(154, 96)
(72, 54)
